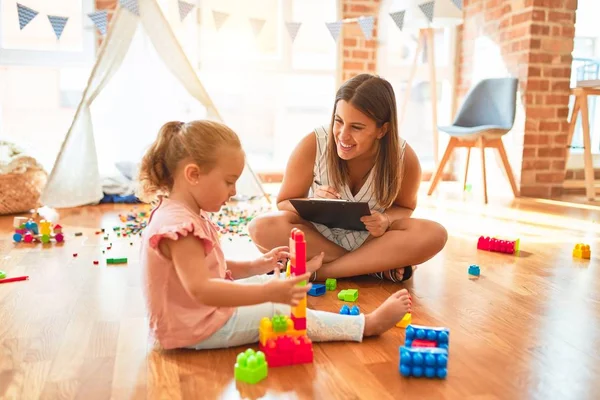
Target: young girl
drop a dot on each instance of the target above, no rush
(195, 298)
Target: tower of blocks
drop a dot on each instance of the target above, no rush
(498, 245)
(283, 339)
(425, 352)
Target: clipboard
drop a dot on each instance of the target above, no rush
(333, 213)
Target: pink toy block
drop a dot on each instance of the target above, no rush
(299, 323)
(423, 343)
(286, 350)
(304, 351)
(497, 245)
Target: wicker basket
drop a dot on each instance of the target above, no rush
(22, 180)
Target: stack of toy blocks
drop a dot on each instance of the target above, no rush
(497, 245)
(425, 352)
(29, 231)
(283, 339)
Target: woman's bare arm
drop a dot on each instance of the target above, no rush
(406, 201)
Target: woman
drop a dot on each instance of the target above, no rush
(359, 157)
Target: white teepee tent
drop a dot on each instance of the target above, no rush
(141, 79)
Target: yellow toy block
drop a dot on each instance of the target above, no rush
(45, 228)
(288, 269)
(406, 320)
(265, 330)
(299, 311)
(582, 251)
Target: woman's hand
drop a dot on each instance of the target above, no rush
(272, 260)
(327, 192)
(376, 223)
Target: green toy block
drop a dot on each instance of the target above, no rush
(250, 367)
(330, 284)
(116, 260)
(279, 323)
(348, 295)
(2, 274)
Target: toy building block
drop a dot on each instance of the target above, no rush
(297, 252)
(497, 245)
(2, 274)
(266, 331)
(299, 323)
(348, 295)
(440, 336)
(18, 221)
(45, 227)
(345, 310)
(405, 321)
(474, 270)
(299, 311)
(421, 361)
(354, 310)
(288, 350)
(582, 250)
(330, 283)
(250, 367)
(423, 343)
(317, 290)
(279, 323)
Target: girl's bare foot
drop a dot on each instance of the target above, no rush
(388, 314)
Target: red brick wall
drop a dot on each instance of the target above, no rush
(359, 54)
(535, 38)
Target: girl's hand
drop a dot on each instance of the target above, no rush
(327, 192)
(376, 223)
(287, 291)
(272, 260)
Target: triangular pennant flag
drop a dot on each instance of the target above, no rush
(398, 18)
(293, 28)
(257, 25)
(220, 18)
(184, 9)
(26, 14)
(100, 19)
(366, 26)
(458, 4)
(427, 9)
(58, 24)
(131, 5)
(334, 29)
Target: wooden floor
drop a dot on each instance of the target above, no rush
(528, 328)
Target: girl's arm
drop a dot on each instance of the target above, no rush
(189, 258)
(298, 176)
(243, 269)
(406, 201)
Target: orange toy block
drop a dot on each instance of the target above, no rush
(299, 311)
(266, 332)
(582, 251)
(405, 321)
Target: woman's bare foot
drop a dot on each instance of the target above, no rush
(388, 314)
(315, 263)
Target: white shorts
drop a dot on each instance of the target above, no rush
(349, 240)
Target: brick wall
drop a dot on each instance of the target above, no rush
(535, 40)
(359, 54)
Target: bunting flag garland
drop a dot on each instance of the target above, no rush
(366, 26)
(257, 25)
(458, 4)
(58, 24)
(184, 9)
(26, 14)
(398, 18)
(219, 18)
(293, 28)
(334, 29)
(131, 5)
(427, 9)
(100, 19)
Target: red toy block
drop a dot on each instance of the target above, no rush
(497, 245)
(304, 351)
(423, 343)
(300, 252)
(299, 323)
(287, 350)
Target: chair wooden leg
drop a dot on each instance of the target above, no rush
(467, 169)
(482, 147)
(573, 122)
(587, 150)
(440, 169)
(507, 168)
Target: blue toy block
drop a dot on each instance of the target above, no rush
(441, 336)
(423, 362)
(354, 310)
(474, 270)
(317, 290)
(345, 310)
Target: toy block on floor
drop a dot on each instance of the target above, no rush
(582, 250)
(423, 343)
(348, 295)
(440, 336)
(288, 350)
(498, 245)
(345, 310)
(405, 321)
(474, 270)
(250, 367)
(330, 284)
(420, 361)
(317, 290)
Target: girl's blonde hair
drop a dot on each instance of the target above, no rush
(176, 141)
(374, 96)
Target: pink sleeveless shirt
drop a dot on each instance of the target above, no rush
(176, 318)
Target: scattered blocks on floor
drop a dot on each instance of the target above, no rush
(497, 245)
(116, 260)
(405, 321)
(330, 283)
(582, 250)
(474, 270)
(420, 361)
(251, 367)
(317, 290)
(440, 336)
(348, 295)
(345, 310)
